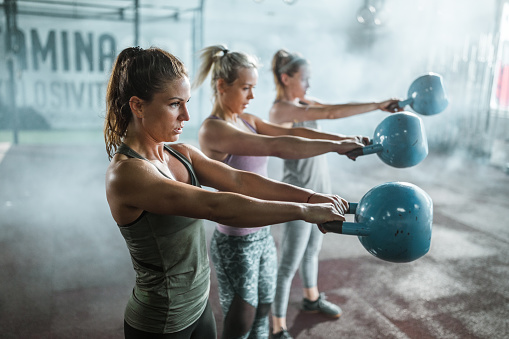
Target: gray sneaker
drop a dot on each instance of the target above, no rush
(321, 305)
(282, 335)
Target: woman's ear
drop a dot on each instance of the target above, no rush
(284, 79)
(220, 84)
(136, 105)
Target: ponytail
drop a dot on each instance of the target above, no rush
(136, 72)
(285, 62)
(222, 64)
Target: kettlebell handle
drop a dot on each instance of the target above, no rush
(343, 227)
(370, 149)
(403, 103)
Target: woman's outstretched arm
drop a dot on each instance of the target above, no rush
(287, 112)
(219, 138)
(134, 186)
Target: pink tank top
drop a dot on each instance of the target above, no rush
(255, 164)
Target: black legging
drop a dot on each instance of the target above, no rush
(241, 317)
(203, 328)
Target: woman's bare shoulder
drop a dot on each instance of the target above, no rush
(183, 148)
(122, 165)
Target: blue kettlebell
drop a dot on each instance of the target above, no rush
(393, 222)
(399, 141)
(426, 95)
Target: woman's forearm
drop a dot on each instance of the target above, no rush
(315, 134)
(290, 147)
(257, 186)
(346, 110)
(242, 211)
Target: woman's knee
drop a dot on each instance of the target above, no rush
(263, 310)
(239, 319)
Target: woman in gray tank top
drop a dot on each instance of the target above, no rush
(301, 242)
(155, 197)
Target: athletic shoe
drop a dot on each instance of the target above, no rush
(282, 335)
(321, 305)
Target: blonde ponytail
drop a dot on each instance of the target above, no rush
(222, 63)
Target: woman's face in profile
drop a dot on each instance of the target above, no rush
(164, 116)
(236, 96)
(298, 83)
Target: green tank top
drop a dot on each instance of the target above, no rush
(169, 255)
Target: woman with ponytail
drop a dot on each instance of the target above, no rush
(301, 241)
(155, 197)
(245, 259)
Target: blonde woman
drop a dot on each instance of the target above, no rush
(245, 259)
(301, 241)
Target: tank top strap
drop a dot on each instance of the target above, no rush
(251, 127)
(300, 102)
(186, 163)
(128, 151)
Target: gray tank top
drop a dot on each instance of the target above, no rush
(169, 256)
(311, 173)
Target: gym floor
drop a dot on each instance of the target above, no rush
(66, 272)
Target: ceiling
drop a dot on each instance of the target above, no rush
(107, 10)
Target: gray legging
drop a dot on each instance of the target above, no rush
(300, 243)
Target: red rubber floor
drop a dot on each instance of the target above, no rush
(66, 272)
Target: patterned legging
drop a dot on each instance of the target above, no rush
(246, 266)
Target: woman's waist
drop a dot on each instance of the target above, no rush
(253, 233)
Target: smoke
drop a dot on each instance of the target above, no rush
(53, 212)
(352, 62)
